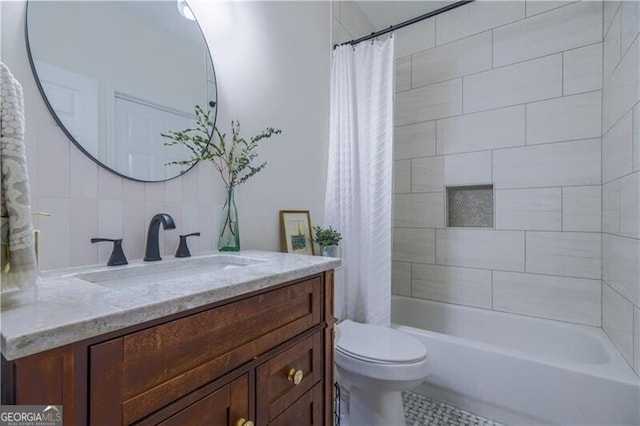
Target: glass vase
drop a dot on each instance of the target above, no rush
(229, 235)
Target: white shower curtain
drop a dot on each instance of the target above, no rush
(359, 179)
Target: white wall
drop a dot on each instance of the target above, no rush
(272, 69)
(507, 93)
(621, 178)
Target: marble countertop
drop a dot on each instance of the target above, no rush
(65, 308)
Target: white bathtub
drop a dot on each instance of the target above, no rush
(520, 370)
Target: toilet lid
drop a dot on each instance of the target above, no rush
(378, 344)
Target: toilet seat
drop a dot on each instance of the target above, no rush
(378, 345)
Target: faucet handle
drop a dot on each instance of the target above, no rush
(117, 255)
(183, 249)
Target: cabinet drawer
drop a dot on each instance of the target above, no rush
(305, 411)
(162, 363)
(276, 378)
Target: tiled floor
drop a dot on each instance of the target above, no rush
(420, 411)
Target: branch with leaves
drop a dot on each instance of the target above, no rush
(233, 159)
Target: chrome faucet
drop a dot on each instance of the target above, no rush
(152, 251)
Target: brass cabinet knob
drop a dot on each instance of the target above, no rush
(243, 422)
(295, 376)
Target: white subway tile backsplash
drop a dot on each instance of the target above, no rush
(464, 286)
(630, 206)
(132, 190)
(535, 7)
(172, 190)
(451, 60)
(529, 209)
(415, 37)
(559, 164)
(154, 191)
(617, 321)
(424, 210)
(415, 140)
(402, 176)
(429, 102)
(110, 225)
(581, 208)
(476, 17)
(403, 74)
(109, 185)
(83, 176)
(431, 174)
(401, 278)
(582, 69)
(134, 226)
(611, 207)
(561, 29)
(629, 24)
(414, 245)
(611, 53)
(624, 268)
(500, 128)
(83, 214)
(622, 91)
(617, 149)
(477, 248)
(514, 84)
(53, 148)
(567, 118)
(569, 254)
(560, 298)
(54, 233)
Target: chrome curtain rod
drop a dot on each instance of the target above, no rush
(406, 23)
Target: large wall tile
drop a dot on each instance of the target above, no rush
(529, 209)
(529, 81)
(617, 321)
(414, 245)
(624, 268)
(617, 149)
(53, 148)
(451, 60)
(582, 69)
(559, 298)
(569, 254)
(415, 37)
(630, 206)
(83, 215)
(636, 138)
(622, 91)
(428, 103)
(401, 278)
(561, 29)
(611, 207)
(419, 210)
(500, 128)
(566, 118)
(83, 176)
(611, 46)
(477, 248)
(559, 164)
(630, 24)
(431, 174)
(535, 7)
(464, 286)
(636, 340)
(581, 208)
(54, 237)
(403, 73)
(415, 140)
(402, 176)
(476, 17)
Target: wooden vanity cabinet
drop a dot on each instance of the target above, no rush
(266, 357)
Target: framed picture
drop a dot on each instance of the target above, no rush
(296, 231)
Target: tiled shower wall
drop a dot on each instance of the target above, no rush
(507, 93)
(621, 178)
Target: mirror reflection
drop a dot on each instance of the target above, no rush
(117, 74)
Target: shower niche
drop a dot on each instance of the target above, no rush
(470, 206)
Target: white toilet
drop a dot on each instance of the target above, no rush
(375, 364)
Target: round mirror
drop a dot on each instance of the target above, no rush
(117, 74)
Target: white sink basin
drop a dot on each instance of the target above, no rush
(179, 270)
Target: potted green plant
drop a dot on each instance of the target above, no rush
(233, 159)
(327, 239)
